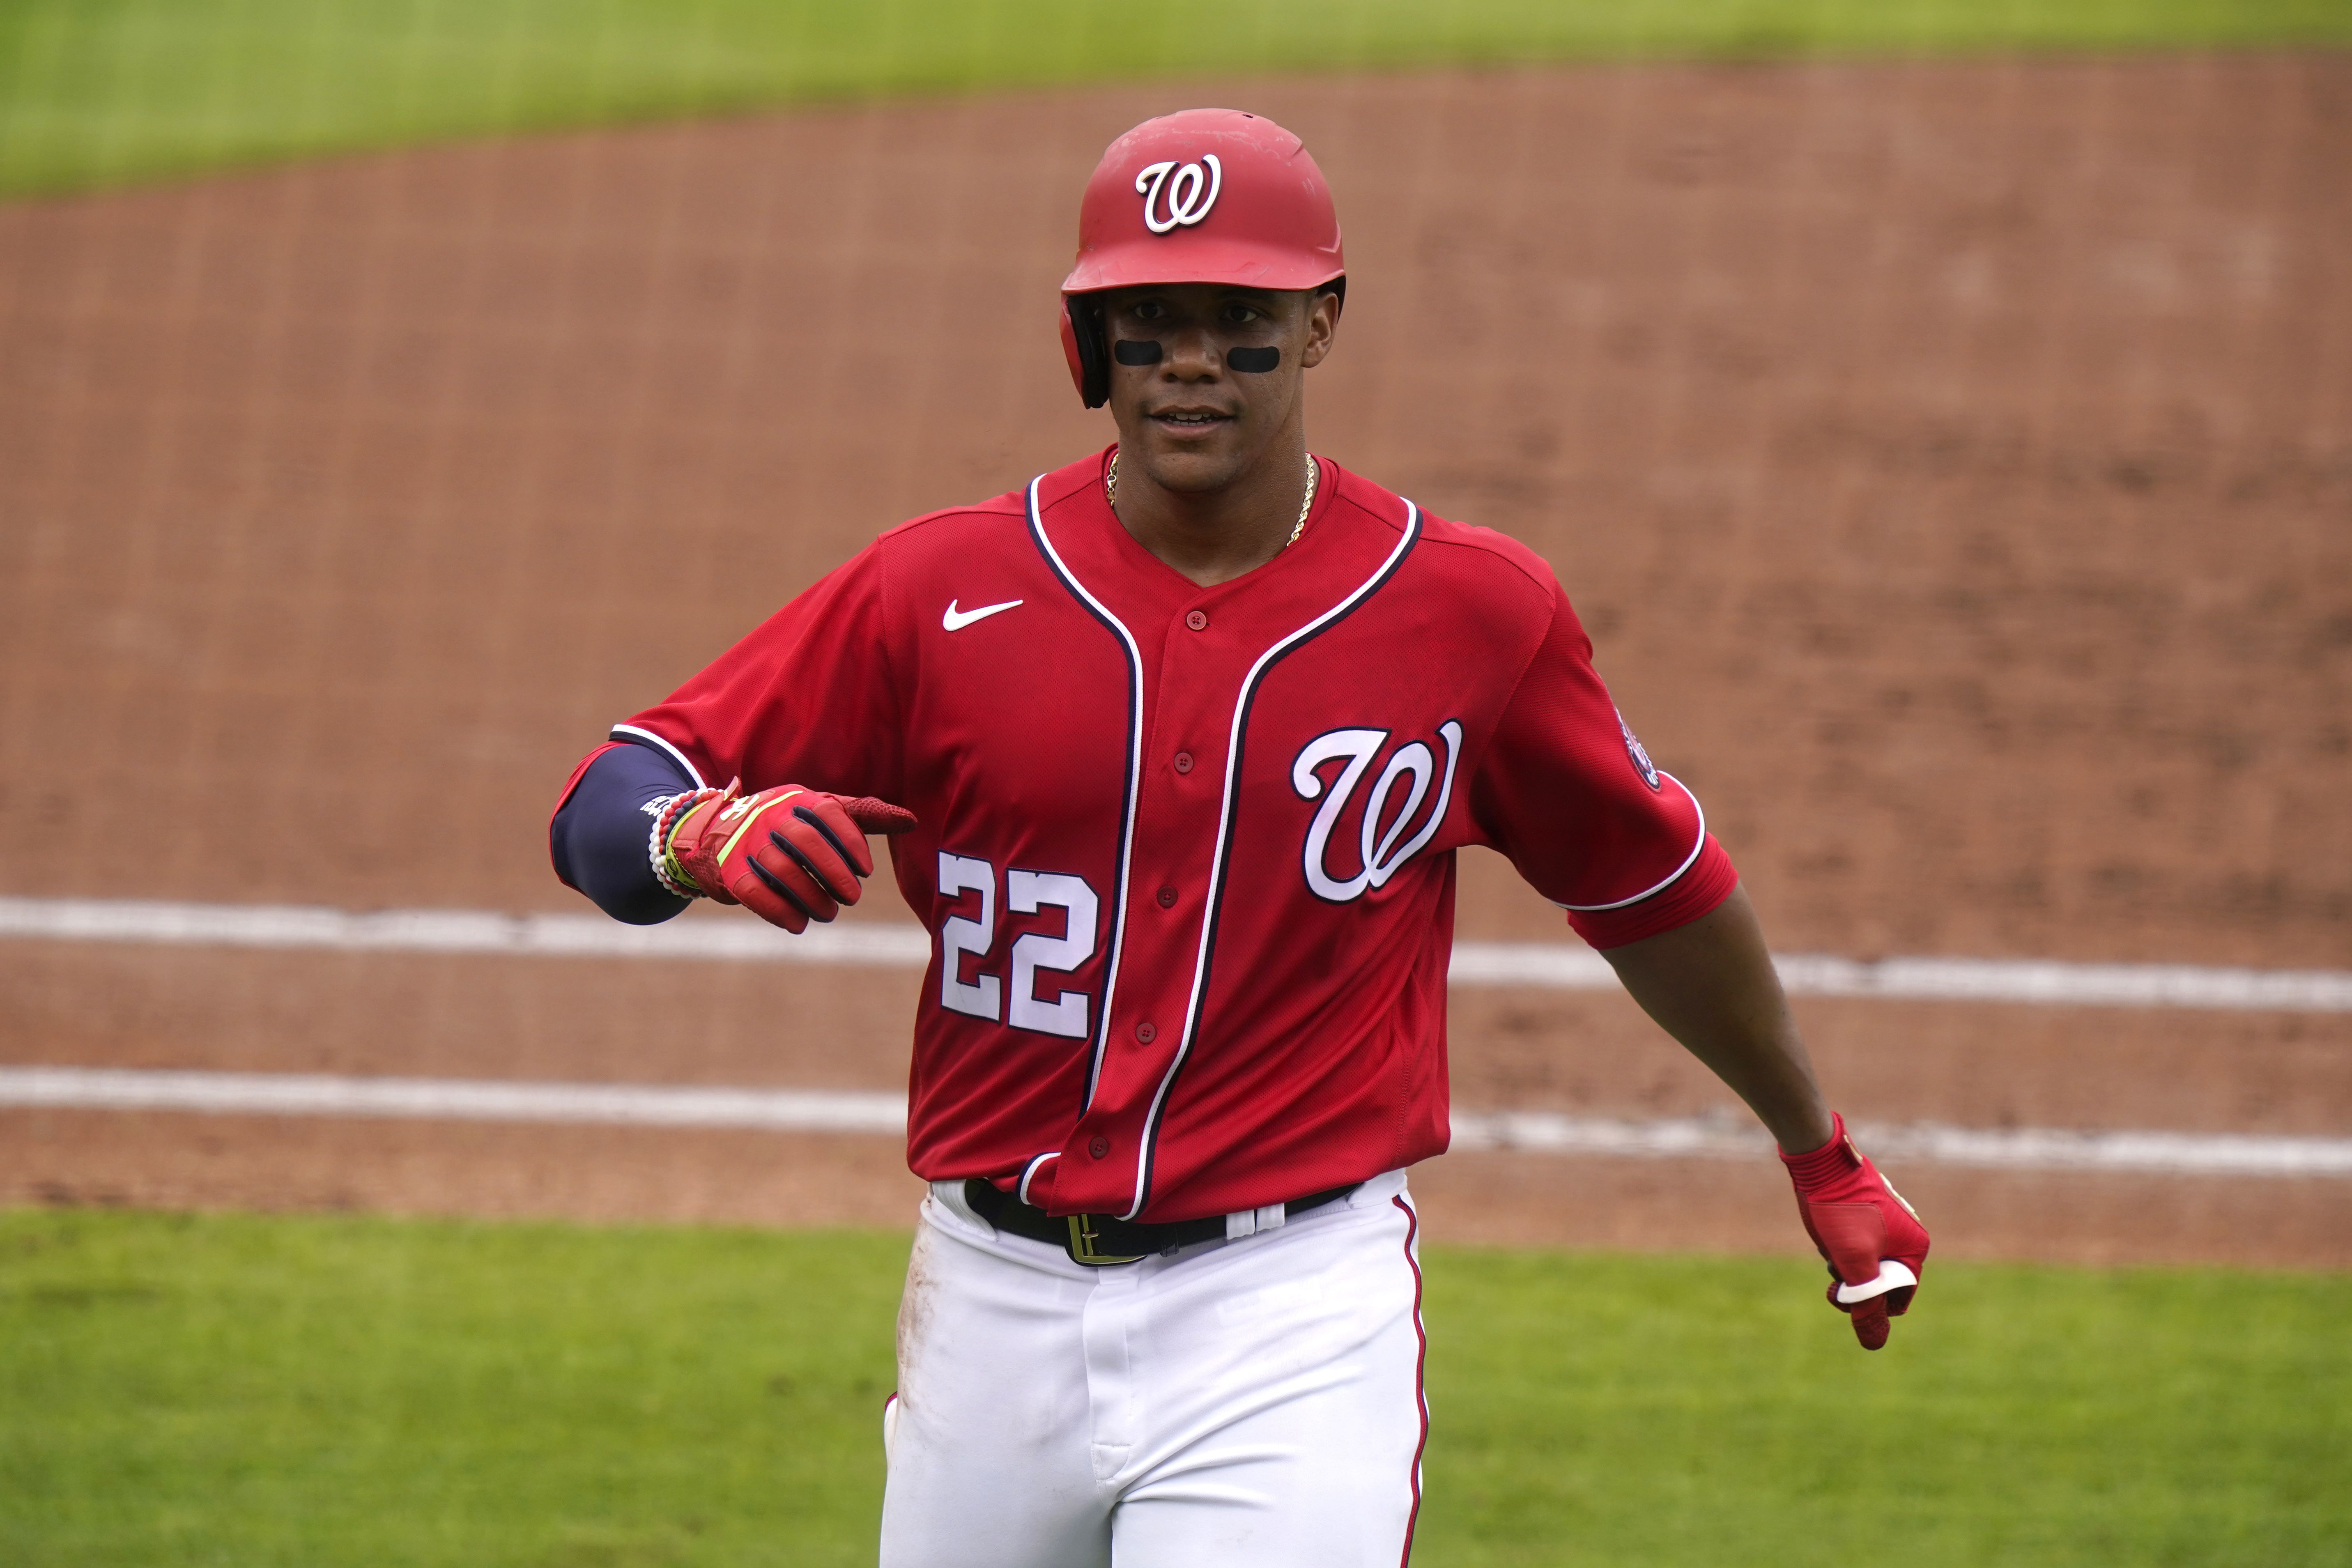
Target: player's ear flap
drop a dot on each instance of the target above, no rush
(1082, 345)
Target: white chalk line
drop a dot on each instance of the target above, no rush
(1553, 966)
(1922, 1142)
(841, 1110)
(285, 926)
(453, 1099)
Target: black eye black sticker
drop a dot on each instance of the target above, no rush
(1253, 362)
(1129, 350)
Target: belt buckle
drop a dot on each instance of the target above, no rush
(1081, 1247)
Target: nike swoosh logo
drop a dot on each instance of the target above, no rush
(955, 620)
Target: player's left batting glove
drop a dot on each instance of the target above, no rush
(789, 854)
(1873, 1239)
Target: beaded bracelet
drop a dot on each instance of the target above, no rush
(666, 870)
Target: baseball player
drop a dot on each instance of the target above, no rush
(1173, 748)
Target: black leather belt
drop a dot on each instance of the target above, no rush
(1099, 1240)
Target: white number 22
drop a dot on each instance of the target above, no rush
(1025, 893)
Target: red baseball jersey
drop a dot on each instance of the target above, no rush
(1187, 854)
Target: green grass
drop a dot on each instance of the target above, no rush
(325, 1391)
(96, 92)
(1703, 1412)
(249, 1391)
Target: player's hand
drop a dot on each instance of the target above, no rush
(789, 854)
(1873, 1239)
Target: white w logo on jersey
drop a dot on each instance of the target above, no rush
(1190, 194)
(1378, 851)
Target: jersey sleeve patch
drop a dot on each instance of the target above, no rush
(1640, 758)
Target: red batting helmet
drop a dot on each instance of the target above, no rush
(1203, 196)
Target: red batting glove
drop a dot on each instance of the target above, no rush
(789, 854)
(1873, 1239)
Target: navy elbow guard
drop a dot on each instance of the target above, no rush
(598, 837)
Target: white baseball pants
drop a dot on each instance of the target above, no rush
(1250, 1404)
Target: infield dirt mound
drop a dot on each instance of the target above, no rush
(1953, 463)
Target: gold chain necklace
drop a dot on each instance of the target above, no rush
(1307, 504)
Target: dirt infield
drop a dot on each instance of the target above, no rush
(1953, 462)
(601, 1175)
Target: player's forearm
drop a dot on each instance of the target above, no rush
(1711, 985)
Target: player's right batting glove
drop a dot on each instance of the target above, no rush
(789, 854)
(1873, 1239)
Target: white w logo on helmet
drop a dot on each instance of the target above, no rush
(1379, 852)
(1190, 194)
